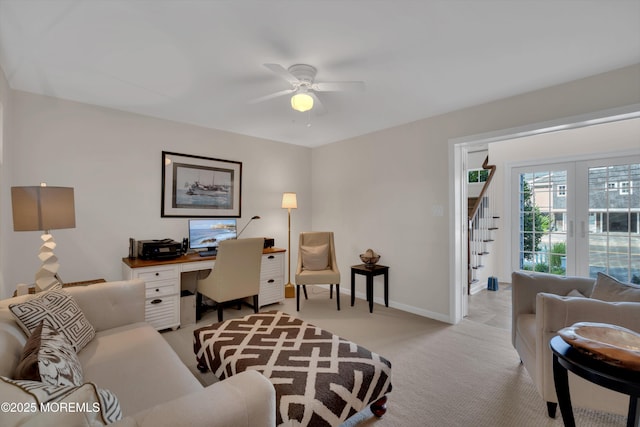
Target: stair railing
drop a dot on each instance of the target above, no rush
(481, 223)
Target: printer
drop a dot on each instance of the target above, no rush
(159, 249)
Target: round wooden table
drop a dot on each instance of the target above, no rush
(567, 358)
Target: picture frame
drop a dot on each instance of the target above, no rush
(200, 187)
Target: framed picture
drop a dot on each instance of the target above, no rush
(196, 186)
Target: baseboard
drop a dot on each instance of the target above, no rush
(477, 287)
(345, 290)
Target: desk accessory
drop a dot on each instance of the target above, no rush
(245, 226)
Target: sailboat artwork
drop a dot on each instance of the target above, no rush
(195, 186)
(209, 188)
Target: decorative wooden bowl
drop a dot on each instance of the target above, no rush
(610, 343)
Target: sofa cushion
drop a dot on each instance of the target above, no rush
(609, 289)
(49, 357)
(137, 350)
(315, 258)
(61, 311)
(86, 405)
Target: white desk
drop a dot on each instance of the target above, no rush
(163, 280)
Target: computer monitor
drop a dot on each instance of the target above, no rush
(208, 233)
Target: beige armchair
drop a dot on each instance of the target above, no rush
(235, 274)
(317, 264)
(540, 308)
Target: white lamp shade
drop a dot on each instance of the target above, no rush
(302, 102)
(289, 201)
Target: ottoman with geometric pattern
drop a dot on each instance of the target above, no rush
(320, 378)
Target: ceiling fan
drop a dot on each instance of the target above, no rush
(304, 88)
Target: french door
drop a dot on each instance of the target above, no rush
(578, 218)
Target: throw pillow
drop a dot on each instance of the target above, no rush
(49, 357)
(576, 293)
(315, 257)
(61, 311)
(87, 405)
(609, 289)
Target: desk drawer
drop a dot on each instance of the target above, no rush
(272, 265)
(156, 291)
(157, 273)
(162, 312)
(271, 291)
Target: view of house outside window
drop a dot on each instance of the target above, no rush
(612, 226)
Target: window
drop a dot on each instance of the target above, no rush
(572, 223)
(625, 188)
(562, 190)
(477, 175)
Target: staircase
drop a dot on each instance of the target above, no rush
(482, 223)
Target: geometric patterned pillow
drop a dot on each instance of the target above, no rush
(88, 405)
(48, 357)
(61, 311)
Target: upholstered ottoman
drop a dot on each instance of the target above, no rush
(320, 378)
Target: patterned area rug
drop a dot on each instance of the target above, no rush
(320, 378)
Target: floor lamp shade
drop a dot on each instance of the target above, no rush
(42, 209)
(289, 201)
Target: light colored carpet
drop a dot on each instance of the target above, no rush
(442, 375)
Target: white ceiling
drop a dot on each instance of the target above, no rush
(200, 62)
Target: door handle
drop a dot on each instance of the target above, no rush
(570, 228)
(583, 229)
(156, 301)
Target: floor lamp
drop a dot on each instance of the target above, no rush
(42, 209)
(289, 202)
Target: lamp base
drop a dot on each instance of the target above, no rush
(47, 275)
(289, 291)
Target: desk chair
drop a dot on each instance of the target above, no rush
(235, 274)
(317, 264)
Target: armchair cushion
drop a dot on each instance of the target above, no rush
(315, 258)
(609, 289)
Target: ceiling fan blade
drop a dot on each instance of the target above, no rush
(339, 86)
(318, 106)
(271, 96)
(282, 72)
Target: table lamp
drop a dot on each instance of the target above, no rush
(289, 201)
(43, 209)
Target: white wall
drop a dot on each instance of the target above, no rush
(602, 140)
(113, 160)
(385, 190)
(5, 209)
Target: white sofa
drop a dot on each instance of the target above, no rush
(132, 360)
(540, 308)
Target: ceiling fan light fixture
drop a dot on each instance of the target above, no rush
(302, 102)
